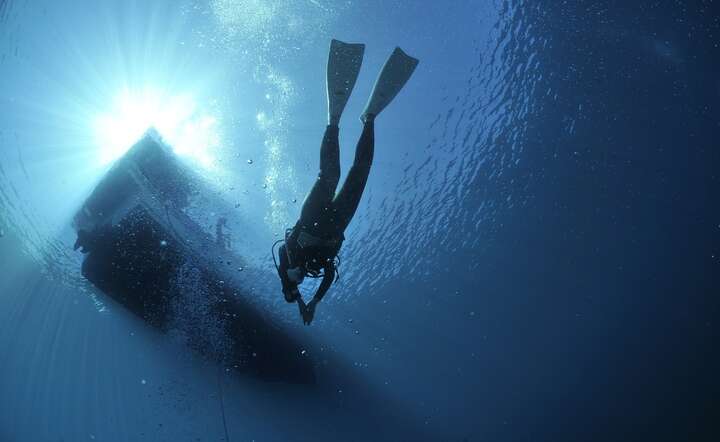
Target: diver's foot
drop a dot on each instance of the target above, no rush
(343, 68)
(395, 73)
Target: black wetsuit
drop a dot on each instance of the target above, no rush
(316, 239)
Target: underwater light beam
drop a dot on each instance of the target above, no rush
(176, 118)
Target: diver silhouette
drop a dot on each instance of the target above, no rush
(311, 247)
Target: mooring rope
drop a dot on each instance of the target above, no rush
(222, 403)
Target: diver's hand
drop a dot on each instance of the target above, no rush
(301, 307)
(309, 311)
(291, 294)
(81, 241)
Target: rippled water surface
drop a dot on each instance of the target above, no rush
(535, 256)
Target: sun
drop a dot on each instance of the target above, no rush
(177, 118)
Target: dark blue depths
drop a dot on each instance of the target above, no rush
(543, 264)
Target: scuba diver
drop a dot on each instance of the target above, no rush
(310, 248)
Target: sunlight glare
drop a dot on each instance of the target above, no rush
(177, 119)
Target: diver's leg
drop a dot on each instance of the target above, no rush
(348, 199)
(320, 197)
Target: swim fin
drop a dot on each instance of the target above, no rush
(396, 72)
(342, 71)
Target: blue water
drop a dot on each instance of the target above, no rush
(535, 258)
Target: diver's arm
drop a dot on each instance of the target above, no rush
(326, 282)
(287, 285)
(309, 312)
